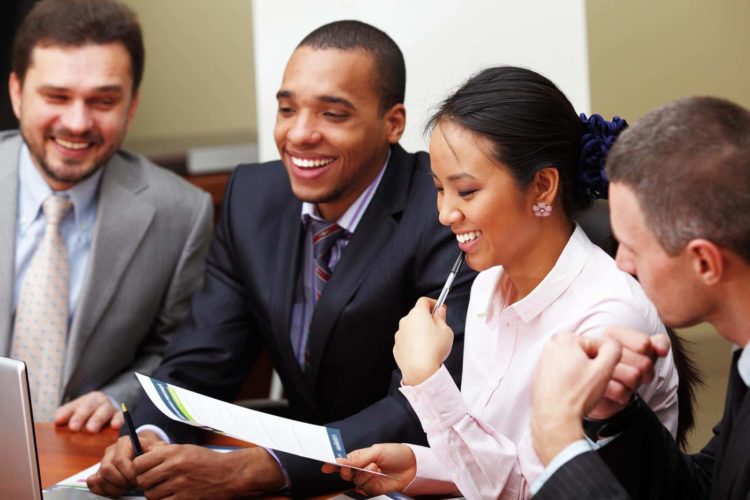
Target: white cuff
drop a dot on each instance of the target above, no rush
(156, 430)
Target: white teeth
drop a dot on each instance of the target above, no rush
(466, 237)
(72, 145)
(305, 163)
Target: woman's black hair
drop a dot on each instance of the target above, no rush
(531, 125)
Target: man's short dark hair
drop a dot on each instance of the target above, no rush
(688, 164)
(76, 23)
(389, 76)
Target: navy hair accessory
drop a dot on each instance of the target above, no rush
(599, 137)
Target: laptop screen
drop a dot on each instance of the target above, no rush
(19, 469)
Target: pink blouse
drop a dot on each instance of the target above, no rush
(479, 437)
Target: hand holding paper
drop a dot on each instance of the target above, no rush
(268, 431)
(396, 461)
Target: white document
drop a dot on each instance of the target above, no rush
(78, 480)
(269, 431)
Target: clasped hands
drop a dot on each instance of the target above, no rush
(580, 376)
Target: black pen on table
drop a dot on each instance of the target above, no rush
(131, 431)
(448, 283)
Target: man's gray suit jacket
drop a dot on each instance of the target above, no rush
(146, 259)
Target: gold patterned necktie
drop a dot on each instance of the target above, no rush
(41, 325)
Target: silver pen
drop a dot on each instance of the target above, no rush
(448, 283)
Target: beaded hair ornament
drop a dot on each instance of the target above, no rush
(599, 137)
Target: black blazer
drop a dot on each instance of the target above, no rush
(398, 253)
(645, 462)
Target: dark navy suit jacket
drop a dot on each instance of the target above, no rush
(398, 253)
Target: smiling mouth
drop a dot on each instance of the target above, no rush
(76, 146)
(467, 237)
(309, 162)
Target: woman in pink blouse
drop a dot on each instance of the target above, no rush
(513, 165)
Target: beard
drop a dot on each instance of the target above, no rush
(70, 171)
(70, 175)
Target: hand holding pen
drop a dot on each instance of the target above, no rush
(424, 339)
(117, 474)
(131, 431)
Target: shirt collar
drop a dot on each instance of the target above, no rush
(349, 220)
(743, 365)
(568, 266)
(34, 190)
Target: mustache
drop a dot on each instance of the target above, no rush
(63, 133)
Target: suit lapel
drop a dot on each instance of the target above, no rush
(122, 220)
(8, 206)
(732, 468)
(373, 232)
(732, 464)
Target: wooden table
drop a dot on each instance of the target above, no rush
(62, 453)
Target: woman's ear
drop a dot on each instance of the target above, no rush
(545, 185)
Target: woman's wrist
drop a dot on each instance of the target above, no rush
(415, 375)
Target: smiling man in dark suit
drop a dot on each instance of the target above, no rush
(679, 201)
(316, 258)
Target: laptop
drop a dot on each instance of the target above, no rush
(19, 465)
(19, 468)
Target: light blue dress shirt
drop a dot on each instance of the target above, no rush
(77, 226)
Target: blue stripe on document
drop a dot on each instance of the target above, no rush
(337, 444)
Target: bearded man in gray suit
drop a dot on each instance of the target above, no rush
(132, 236)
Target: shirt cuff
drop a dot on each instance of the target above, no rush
(436, 401)
(287, 483)
(156, 430)
(114, 402)
(430, 478)
(567, 454)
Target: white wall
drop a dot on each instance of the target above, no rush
(443, 41)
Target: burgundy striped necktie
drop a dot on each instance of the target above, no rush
(325, 236)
